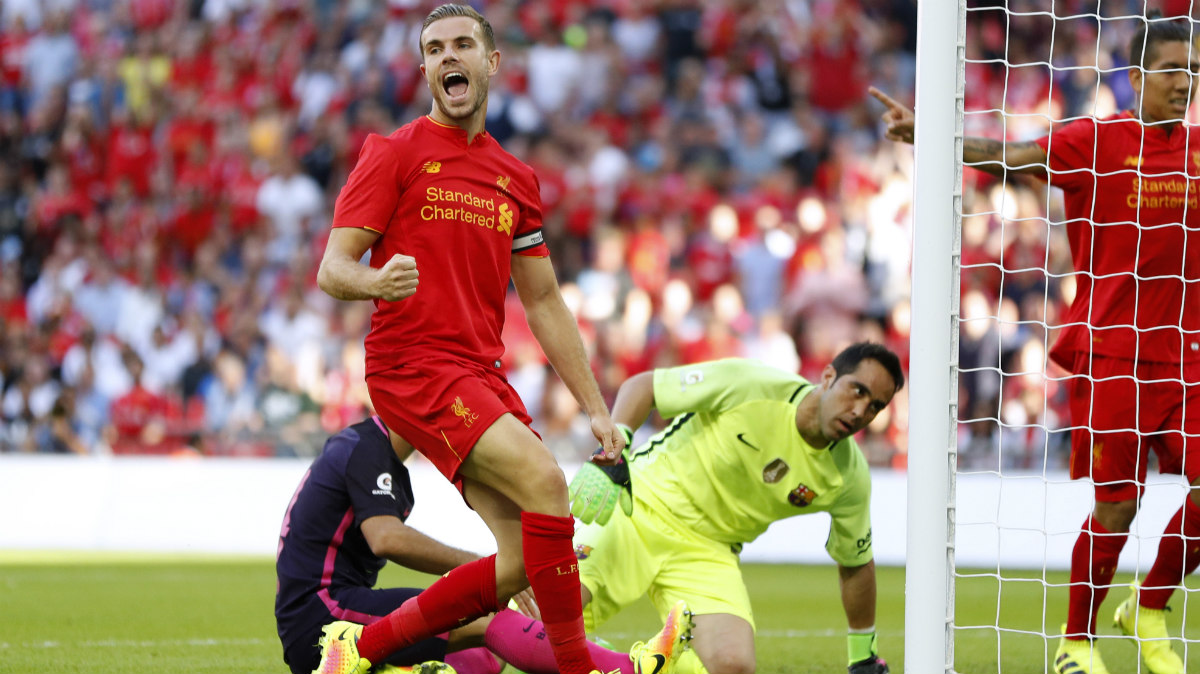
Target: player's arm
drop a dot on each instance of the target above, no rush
(991, 156)
(858, 601)
(393, 540)
(558, 334)
(634, 400)
(342, 276)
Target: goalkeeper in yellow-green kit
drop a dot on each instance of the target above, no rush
(746, 445)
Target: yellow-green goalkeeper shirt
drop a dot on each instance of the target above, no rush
(731, 460)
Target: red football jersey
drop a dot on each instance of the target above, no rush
(461, 211)
(1132, 201)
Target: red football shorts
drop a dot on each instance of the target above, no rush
(1125, 409)
(442, 407)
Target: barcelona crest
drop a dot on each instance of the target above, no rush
(801, 496)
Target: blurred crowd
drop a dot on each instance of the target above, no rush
(714, 183)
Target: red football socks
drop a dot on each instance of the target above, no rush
(1178, 555)
(521, 641)
(553, 574)
(1093, 563)
(466, 593)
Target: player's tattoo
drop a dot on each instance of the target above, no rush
(988, 147)
(996, 157)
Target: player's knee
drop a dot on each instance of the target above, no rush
(729, 662)
(544, 489)
(1116, 516)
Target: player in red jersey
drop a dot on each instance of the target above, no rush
(440, 195)
(1131, 184)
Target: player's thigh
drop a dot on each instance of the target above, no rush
(724, 643)
(615, 567)
(442, 407)
(1180, 431)
(510, 458)
(1105, 444)
(704, 573)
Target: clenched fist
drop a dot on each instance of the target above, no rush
(397, 278)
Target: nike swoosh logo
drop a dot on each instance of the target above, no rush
(743, 441)
(342, 636)
(660, 661)
(529, 627)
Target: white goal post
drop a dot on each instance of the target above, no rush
(929, 584)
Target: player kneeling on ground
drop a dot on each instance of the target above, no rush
(746, 445)
(345, 521)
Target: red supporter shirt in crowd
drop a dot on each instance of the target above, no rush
(1133, 211)
(461, 211)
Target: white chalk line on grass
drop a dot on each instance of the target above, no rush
(158, 643)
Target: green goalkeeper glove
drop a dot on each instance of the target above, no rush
(597, 490)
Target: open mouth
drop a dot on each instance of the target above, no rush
(455, 84)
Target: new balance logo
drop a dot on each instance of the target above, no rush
(432, 167)
(1133, 161)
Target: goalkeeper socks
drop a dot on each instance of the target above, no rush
(521, 641)
(474, 661)
(553, 573)
(1178, 555)
(1093, 563)
(861, 644)
(466, 593)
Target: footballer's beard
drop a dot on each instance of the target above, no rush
(475, 103)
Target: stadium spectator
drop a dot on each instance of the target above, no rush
(51, 59)
(229, 399)
(746, 445)
(290, 325)
(144, 422)
(352, 503)
(102, 361)
(442, 194)
(1129, 339)
(291, 202)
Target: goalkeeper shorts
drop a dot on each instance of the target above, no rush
(652, 553)
(443, 407)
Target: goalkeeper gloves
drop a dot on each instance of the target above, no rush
(597, 490)
(863, 650)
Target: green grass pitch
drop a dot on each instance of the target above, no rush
(110, 614)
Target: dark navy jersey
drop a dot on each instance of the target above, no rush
(322, 553)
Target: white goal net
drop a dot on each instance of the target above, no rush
(993, 516)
